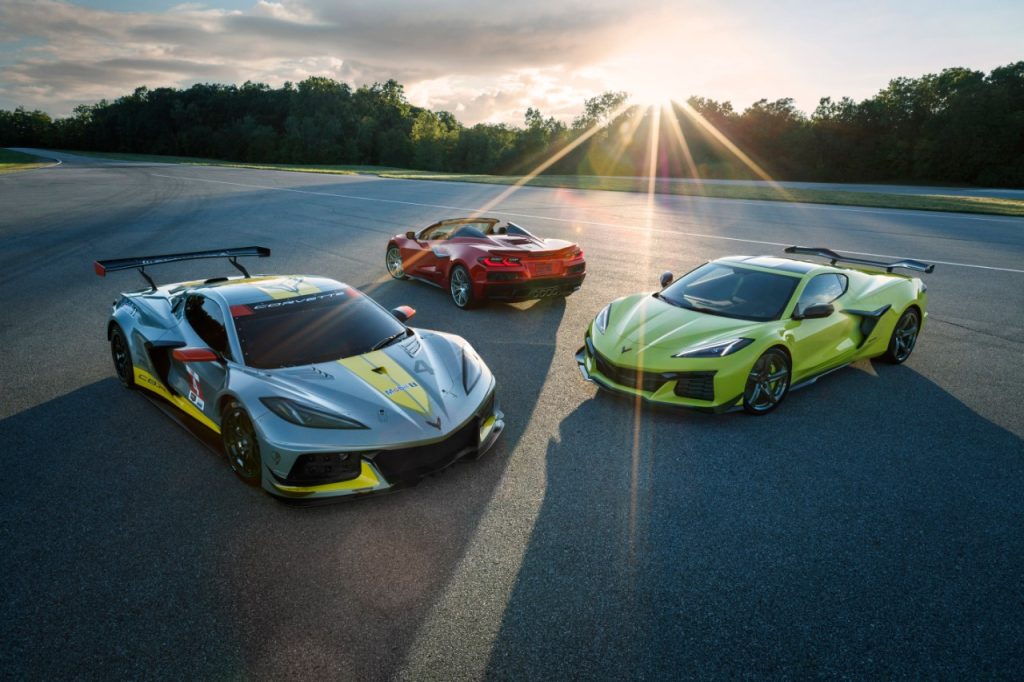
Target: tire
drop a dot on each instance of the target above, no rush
(241, 445)
(767, 383)
(122, 357)
(904, 337)
(460, 286)
(393, 262)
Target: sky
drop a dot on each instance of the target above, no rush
(488, 60)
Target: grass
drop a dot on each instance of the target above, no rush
(11, 161)
(195, 161)
(922, 202)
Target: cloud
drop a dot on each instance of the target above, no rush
(486, 61)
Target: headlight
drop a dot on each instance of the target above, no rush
(304, 415)
(715, 350)
(601, 321)
(472, 368)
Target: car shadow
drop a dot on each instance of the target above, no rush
(134, 546)
(690, 545)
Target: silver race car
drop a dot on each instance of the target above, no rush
(315, 389)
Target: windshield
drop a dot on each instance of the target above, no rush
(315, 328)
(731, 291)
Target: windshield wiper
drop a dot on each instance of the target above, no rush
(389, 340)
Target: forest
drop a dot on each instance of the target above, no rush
(959, 126)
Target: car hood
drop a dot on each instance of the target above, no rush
(409, 391)
(641, 323)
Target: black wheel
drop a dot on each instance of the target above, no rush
(904, 337)
(393, 259)
(123, 364)
(240, 443)
(461, 288)
(767, 383)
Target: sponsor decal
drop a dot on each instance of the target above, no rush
(401, 387)
(298, 300)
(195, 391)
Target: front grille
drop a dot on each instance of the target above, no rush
(418, 461)
(698, 385)
(648, 382)
(324, 467)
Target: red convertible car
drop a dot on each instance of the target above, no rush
(476, 260)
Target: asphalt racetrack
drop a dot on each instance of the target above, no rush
(872, 527)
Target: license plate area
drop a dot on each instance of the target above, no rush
(541, 268)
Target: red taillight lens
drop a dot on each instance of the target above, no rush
(499, 262)
(578, 253)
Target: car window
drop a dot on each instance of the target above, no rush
(732, 291)
(207, 320)
(823, 289)
(440, 231)
(315, 328)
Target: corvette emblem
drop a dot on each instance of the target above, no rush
(436, 423)
(626, 350)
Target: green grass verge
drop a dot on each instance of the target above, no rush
(920, 202)
(925, 202)
(11, 161)
(195, 161)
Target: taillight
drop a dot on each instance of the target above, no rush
(499, 261)
(578, 253)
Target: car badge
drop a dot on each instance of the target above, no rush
(626, 350)
(436, 423)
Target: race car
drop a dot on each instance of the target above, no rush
(315, 390)
(476, 260)
(744, 331)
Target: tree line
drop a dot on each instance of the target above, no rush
(959, 126)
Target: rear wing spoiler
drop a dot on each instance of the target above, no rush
(102, 267)
(834, 258)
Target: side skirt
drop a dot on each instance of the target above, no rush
(814, 378)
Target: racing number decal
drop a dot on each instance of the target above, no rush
(195, 391)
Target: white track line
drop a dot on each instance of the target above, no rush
(619, 226)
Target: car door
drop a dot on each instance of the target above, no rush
(823, 343)
(431, 262)
(204, 326)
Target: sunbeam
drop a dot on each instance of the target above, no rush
(553, 159)
(699, 119)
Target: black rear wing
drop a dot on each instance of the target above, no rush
(834, 258)
(102, 267)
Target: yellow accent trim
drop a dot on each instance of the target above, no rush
(148, 381)
(394, 382)
(485, 428)
(288, 287)
(367, 479)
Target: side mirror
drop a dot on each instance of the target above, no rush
(193, 354)
(813, 312)
(666, 279)
(403, 313)
(410, 235)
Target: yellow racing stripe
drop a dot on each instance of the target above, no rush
(148, 381)
(288, 287)
(388, 377)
